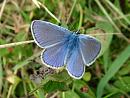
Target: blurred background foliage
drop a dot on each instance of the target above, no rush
(22, 75)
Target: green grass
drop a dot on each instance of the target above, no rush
(107, 20)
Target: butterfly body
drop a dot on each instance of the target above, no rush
(73, 41)
(63, 47)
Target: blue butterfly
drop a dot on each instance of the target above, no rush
(63, 47)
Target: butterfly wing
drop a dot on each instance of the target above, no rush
(54, 56)
(75, 65)
(89, 47)
(47, 34)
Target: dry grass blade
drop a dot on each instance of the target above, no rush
(16, 43)
(2, 8)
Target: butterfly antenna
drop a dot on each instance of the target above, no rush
(77, 32)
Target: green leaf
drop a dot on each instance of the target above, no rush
(70, 94)
(112, 91)
(28, 51)
(116, 65)
(20, 64)
(51, 86)
(106, 60)
(78, 84)
(106, 26)
(18, 89)
(25, 62)
(21, 36)
(16, 82)
(3, 51)
(125, 70)
(123, 83)
(40, 93)
(87, 76)
(25, 16)
(1, 74)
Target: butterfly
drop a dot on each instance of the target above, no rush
(64, 47)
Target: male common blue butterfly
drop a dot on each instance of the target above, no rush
(63, 47)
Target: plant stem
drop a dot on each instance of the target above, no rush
(71, 11)
(15, 44)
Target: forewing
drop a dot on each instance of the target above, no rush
(90, 48)
(47, 34)
(75, 65)
(54, 56)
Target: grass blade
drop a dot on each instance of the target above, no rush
(49, 12)
(81, 17)
(1, 75)
(110, 19)
(116, 65)
(25, 62)
(15, 44)
(71, 11)
(117, 10)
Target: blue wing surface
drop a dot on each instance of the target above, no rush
(75, 65)
(47, 34)
(54, 56)
(89, 47)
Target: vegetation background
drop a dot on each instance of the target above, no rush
(21, 75)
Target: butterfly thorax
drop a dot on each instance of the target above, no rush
(73, 44)
(73, 41)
